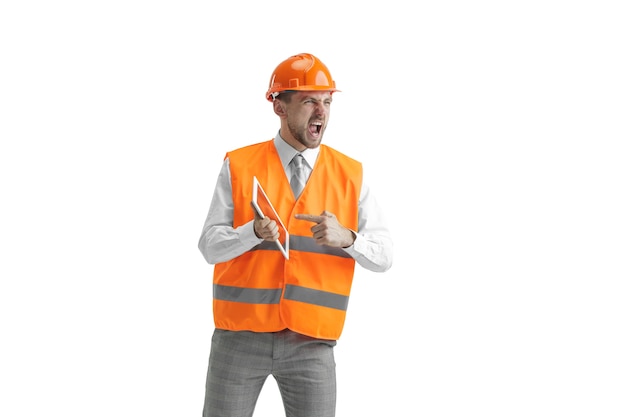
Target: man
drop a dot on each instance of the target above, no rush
(275, 315)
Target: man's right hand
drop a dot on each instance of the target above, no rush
(265, 228)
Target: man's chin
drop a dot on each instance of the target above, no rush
(312, 144)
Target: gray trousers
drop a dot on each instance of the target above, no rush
(240, 362)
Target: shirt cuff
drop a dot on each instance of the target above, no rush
(353, 249)
(247, 236)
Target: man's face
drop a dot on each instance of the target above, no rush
(307, 117)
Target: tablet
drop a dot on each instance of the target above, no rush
(263, 206)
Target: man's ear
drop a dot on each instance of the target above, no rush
(279, 108)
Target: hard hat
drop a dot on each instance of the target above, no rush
(302, 72)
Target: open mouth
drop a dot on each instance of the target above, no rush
(315, 128)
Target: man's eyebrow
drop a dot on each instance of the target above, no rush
(308, 96)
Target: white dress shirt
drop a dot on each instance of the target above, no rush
(220, 242)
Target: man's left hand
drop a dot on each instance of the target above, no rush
(328, 231)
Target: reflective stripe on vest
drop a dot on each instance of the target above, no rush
(246, 295)
(272, 296)
(304, 244)
(316, 297)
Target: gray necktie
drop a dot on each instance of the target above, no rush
(298, 176)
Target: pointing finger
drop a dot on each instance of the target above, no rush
(310, 218)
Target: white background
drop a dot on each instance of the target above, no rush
(492, 133)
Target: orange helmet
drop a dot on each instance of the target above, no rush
(302, 72)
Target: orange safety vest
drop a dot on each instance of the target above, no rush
(260, 290)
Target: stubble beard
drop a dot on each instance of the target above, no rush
(299, 134)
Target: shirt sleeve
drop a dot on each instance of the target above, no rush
(220, 241)
(373, 246)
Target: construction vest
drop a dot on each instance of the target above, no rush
(260, 290)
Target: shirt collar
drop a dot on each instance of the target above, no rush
(287, 152)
